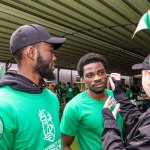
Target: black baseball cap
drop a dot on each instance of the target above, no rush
(143, 66)
(31, 34)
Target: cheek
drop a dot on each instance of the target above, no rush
(105, 78)
(87, 81)
(48, 61)
(145, 83)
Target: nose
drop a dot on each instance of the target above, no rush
(97, 77)
(54, 57)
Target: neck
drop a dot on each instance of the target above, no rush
(30, 74)
(102, 96)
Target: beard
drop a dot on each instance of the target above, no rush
(100, 91)
(97, 92)
(43, 68)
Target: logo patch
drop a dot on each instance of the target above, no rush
(47, 125)
(1, 127)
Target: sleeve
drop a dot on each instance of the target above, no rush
(7, 129)
(70, 120)
(141, 134)
(129, 111)
(111, 137)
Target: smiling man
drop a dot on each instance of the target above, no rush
(82, 116)
(29, 112)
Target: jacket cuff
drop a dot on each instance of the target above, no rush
(109, 120)
(120, 96)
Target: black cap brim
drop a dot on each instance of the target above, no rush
(56, 41)
(138, 66)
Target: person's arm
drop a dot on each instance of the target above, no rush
(6, 139)
(128, 110)
(69, 125)
(139, 135)
(111, 137)
(147, 98)
(7, 127)
(67, 141)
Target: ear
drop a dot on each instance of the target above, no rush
(31, 52)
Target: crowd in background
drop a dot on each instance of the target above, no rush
(65, 92)
(137, 96)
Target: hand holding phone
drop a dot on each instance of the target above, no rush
(109, 103)
(114, 101)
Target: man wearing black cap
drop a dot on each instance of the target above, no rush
(29, 113)
(138, 137)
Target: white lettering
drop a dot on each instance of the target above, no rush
(54, 146)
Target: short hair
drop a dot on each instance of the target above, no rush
(19, 54)
(90, 58)
(126, 86)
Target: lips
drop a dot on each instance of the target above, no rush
(53, 66)
(99, 85)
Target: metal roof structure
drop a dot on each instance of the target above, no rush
(100, 26)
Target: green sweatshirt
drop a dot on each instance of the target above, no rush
(29, 121)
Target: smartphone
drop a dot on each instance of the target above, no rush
(114, 101)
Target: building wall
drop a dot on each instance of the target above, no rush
(65, 76)
(128, 80)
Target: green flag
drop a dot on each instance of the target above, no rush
(144, 23)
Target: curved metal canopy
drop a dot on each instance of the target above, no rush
(100, 26)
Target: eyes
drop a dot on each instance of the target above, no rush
(99, 73)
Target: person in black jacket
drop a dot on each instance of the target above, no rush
(138, 137)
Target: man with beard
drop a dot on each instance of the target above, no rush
(29, 112)
(82, 116)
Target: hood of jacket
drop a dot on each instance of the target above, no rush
(21, 83)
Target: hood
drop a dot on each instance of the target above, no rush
(21, 83)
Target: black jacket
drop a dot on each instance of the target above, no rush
(138, 137)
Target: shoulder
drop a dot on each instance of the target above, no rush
(7, 92)
(73, 108)
(50, 92)
(109, 92)
(76, 103)
(78, 98)
(5, 89)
